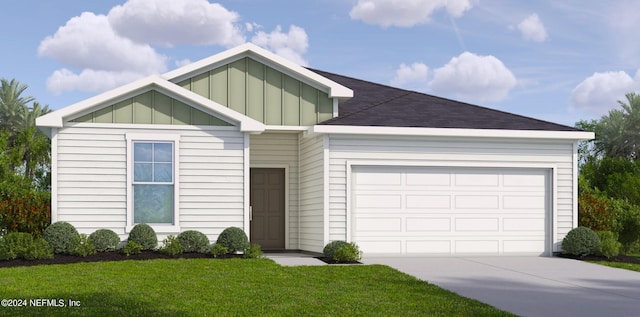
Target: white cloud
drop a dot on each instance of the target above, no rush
(89, 80)
(291, 45)
(414, 74)
(532, 29)
(183, 62)
(470, 76)
(405, 13)
(599, 93)
(174, 22)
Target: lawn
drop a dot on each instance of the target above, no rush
(621, 265)
(231, 287)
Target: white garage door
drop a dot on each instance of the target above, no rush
(450, 211)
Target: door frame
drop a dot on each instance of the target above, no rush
(286, 195)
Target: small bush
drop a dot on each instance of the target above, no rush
(25, 211)
(144, 235)
(105, 240)
(39, 250)
(22, 245)
(171, 246)
(254, 251)
(331, 248)
(628, 219)
(62, 237)
(609, 244)
(580, 241)
(596, 212)
(131, 247)
(194, 241)
(348, 253)
(84, 247)
(234, 239)
(219, 250)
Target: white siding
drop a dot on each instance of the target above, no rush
(91, 178)
(312, 193)
(425, 151)
(274, 150)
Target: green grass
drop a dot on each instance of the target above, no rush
(626, 266)
(232, 287)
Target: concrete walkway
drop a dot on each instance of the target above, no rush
(530, 286)
(294, 258)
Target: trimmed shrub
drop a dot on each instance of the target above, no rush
(105, 240)
(39, 250)
(194, 241)
(254, 251)
(234, 239)
(171, 246)
(131, 247)
(62, 236)
(348, 253)
(144, 235)
(219, 250)
(331, 248)
(22, 245)
(609, 244)
(580, 241)
(85, 247)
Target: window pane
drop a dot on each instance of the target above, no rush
(142, 152)
(162, 152)
(153, 204)
(142, 172)
(162, 172)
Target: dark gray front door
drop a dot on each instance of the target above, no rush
(267, 201)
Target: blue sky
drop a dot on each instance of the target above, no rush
(560, 61)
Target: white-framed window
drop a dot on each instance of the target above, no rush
(152, 181)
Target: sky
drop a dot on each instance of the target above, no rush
(559, 61)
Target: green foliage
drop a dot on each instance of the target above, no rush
(131, 247)
(234, 239)
(62, 237)
(331, 248)
(219, 250)
(596, 212)
(580, 241)
(105, 240)
(194, 241)
(609, 244)
(347, 253)
(84, 247)
(628, 228)
(254, 251)
(22, 245)
(171, 246)
(144, 235)
(24, 210)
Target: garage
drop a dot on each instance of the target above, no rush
(451, 210)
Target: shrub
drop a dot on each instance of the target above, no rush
(171, 246)
(84, 247)
(254, 251)
(62, 237)
(331, 248)
(194, 241)
(609, 244)
(596, 212)
(628, 224)
(28, 211)
(347, 253)
(131, 247)
(105, 240)
(219, 250)
(234, 239)
(22, 245)
(580, 241)
(144, 235)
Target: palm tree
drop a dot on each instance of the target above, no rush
(13, 106)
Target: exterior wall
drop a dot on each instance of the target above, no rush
(450, 151)
(280, 150)
(91, 177)
(312, 193)
(262, 93)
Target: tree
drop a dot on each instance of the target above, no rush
(13, 106)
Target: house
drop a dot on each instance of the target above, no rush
(299, 157)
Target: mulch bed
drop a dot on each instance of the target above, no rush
(332, 261)
(618, 258)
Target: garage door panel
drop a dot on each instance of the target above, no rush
(451, 210)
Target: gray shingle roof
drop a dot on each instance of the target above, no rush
(380, 105)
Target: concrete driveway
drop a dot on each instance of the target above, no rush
(529, 286)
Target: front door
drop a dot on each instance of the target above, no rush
(268, 205)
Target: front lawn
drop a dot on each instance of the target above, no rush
(622, 265)
(232, 287)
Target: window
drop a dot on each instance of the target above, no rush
(152, 182)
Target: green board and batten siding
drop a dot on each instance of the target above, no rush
(262, 93)
(151, 107)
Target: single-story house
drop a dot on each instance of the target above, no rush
(299, 157)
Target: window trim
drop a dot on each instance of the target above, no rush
(154, 138)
